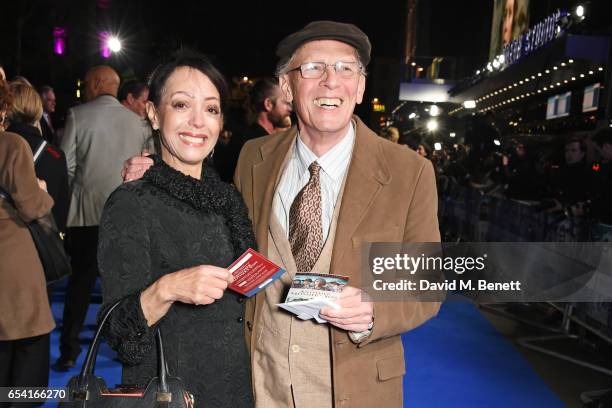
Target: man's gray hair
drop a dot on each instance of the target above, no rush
(282, 69)
(44, 90)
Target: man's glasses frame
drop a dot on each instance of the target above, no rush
(316, 70)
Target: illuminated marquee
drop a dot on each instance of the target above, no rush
(542, 33)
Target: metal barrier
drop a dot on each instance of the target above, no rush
(469, 215)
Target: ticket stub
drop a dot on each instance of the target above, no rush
(253, 272)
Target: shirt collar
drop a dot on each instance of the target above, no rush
(334, 162)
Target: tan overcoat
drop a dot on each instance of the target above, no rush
(390, 196)
(24, 305)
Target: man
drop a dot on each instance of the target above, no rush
(315, 193)
(48, 100)
(601, 208)
(357, 359)
(272, 110)
(272, 114)
(134, 95)
(99, 136)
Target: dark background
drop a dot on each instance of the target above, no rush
(240, 36)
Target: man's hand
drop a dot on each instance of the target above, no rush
(135, 167)
(354, 314)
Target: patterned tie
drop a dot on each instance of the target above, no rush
(305, 229)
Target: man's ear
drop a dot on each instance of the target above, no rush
(360, 88)
(130, 99)
(268, 104)
(152, 115)
(285, 87)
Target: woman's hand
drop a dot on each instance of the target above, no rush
(200, 285)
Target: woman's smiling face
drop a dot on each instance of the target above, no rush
(189, 119)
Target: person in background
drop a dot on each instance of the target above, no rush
(271, 113)
(25, 315)
(47, 96)
(601, 208)
(51, 165)
(391, 133)
(99, 135)
(424, 150)
(134, 96)
(570, 190)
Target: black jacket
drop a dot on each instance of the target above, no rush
(47, 133)
(158, 225)
(51, 167)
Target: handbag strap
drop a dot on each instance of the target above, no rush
(36, 155)
(39, 150)
(90, 360)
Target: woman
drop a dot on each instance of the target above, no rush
(25, 315)
(24, 118)
(166, 239)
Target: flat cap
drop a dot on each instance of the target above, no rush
(325, 30)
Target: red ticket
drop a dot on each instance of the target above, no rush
(253, 272)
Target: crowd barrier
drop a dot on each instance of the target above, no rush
(469, 215)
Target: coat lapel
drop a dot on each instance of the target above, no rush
(367, 174)
(265, 176)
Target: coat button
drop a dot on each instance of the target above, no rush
(240, 319)
(295, 348)
(240, 299)
(250, 325)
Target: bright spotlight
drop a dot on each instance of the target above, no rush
(438, 146)
(412, 115)
(434, 110)
(432, 125)
(580, 11)
(452, 134)
(114, 44)
(469, 104)
(496, 142)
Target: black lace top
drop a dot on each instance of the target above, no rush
(160, 224)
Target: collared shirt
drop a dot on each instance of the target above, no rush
(334, 165)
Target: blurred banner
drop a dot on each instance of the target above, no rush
(510, 20)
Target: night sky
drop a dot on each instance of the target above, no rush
(241, 36)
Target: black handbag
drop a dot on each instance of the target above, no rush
(49, 241)
(88, 391)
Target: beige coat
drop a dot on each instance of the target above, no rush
(390, 196)
(24, 305)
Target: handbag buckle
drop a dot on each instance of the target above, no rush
(163, 397)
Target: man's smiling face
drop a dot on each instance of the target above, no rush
(324, 105)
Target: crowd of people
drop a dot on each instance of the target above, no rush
(568, 174)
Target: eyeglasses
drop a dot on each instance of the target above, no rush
(315, 70)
